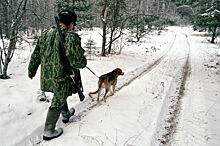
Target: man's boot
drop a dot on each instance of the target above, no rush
(49, 131)
(66, 113)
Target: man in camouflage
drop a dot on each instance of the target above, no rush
(54, 74)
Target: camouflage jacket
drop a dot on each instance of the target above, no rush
(54, 75)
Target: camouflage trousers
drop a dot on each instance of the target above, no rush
(58, 102)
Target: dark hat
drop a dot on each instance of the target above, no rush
(67, 16)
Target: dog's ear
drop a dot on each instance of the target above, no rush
(119, 71)
(115, 70)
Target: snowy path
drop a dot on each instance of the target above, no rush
(172, 98)
(134, 115)
(84, 108)
(199, 122)
(20, 109)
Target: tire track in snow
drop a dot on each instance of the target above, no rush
(170, 115)
(195, 123)
(176, 108)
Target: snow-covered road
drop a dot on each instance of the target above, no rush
(136, 114)
(169, 98)
(200, 114)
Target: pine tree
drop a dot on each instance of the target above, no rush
(208, 17)
(90, 46)
(206, 14)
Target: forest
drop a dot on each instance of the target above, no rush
(30, 18)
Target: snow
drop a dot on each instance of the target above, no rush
(138, 112)
(211, 12)
(200, 116)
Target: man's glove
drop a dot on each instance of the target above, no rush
(31, 76)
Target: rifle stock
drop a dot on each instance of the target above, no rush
(70, 71)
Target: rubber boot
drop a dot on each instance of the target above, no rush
(66, 113)
(49, 131)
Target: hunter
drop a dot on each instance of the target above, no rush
(54, 74)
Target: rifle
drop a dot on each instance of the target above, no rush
(66, 61)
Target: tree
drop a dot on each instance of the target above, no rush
(140, 21)
(117, 9)
(90, 46)
(112, 17)
(12, 33)
(209, 18)
(137, 23)
(205, 14)
(104, 26)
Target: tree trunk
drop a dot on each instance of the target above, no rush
(158, 7)
(1, 51)
(104, 23)
(103, 39)
(113, 26)
(6, 22)
(0, 60)
(137, 22)
(163, 7)
(9, 55)
(213, 35)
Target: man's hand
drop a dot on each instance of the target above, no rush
(31, 76)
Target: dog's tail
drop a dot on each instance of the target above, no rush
(101, 80)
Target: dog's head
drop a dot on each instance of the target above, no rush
(118, 71)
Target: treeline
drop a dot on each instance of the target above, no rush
(204, 14)
(31, 17)
(39, 14)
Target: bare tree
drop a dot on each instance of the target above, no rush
(114, 22)
(8, 51)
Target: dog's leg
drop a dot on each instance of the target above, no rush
(112, 90)
(106, 91)
(99, 91)
(113, 87)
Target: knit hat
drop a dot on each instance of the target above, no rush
(67, 16)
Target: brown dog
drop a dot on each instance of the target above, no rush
(106, 81)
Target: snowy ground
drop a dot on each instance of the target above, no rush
(168, 95)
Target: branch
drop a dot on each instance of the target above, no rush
(115, 15)
(186, 6)
(18, 10)
(124, 22)
(83, 22)
(1, 56)
(103, 18)
(23, 11)
(18, 18)
(13, 50)
(3, 43)
(39, 16)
